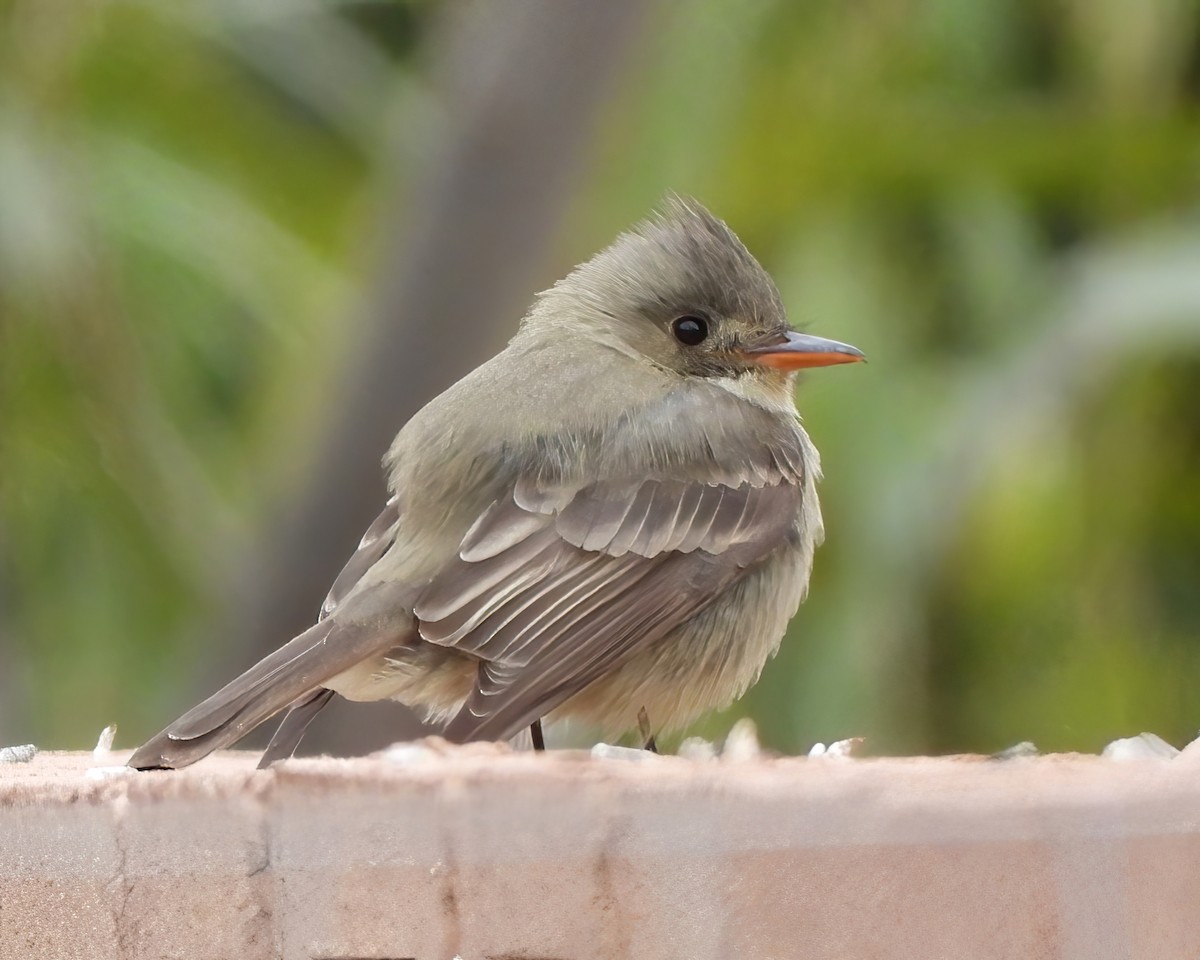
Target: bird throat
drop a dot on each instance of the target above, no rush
(771, 392)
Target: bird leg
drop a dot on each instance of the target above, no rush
(535, 734)
(647, 734)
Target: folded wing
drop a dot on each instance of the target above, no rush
(552, 588)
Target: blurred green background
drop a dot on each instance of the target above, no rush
(232, 234)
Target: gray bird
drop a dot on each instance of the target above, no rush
(615, 517)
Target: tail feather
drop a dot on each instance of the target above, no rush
(292, 672)
(291, 731)
(227, 702)
(163, 752)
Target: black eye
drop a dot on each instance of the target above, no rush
(690, 330)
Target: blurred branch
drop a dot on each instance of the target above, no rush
(522, 85)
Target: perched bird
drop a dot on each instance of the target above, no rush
(613, 517)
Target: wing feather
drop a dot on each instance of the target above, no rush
(635, 520)
(702, 521)
(685, 514)
(584, 586)
(575, 590)
(591, 519)
(375, 543)
(465, 582)
(510, 696)
(498, 528)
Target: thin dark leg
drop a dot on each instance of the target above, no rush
(535, 734)
(647, 734)
(291, 731)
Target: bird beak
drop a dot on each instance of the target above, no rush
(799, 350)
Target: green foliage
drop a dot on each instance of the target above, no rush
(994, 199)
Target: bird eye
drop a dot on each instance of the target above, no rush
(690, 331)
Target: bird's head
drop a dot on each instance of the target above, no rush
(682, 291)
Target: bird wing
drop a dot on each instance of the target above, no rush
(380, 536)
(552, 587)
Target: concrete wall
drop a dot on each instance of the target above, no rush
(477, 853)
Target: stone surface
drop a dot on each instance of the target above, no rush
(478, 853)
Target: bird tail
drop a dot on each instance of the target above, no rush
(292, 672)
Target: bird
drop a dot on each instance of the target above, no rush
(612, 521)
